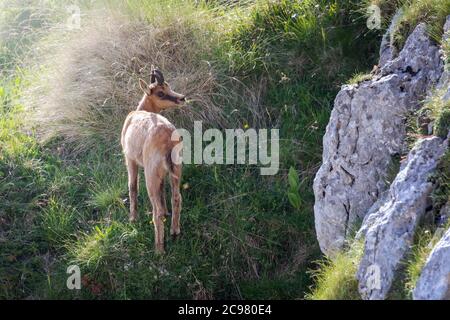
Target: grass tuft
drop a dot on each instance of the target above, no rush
(437, 110)
(421, 250)
(431, 12)
(335, 279)
(58, 222)
(359, 77)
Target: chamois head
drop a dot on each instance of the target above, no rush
(158, 94)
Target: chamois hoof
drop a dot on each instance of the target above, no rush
(175, 234)
(159, 251)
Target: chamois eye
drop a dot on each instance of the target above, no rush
(160, 94)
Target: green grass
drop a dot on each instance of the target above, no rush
(442, 126)
(420, 252)
(432, 12)
(441, 194)
(24, 175)
(58, 223)
(288, 41)
(335, 278)
(437, 110)
(359, 77)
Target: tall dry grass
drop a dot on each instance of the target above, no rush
(83, 83)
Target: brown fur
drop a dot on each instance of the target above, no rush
(147, 142)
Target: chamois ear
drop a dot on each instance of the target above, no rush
(144, 87)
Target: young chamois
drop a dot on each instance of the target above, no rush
(147, 142)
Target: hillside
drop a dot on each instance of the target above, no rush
(69, 81)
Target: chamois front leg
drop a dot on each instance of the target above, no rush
(132, 168)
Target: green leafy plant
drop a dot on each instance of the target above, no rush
(294, 186)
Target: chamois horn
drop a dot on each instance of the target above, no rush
(157, 76)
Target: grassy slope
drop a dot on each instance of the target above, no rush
(241, 236)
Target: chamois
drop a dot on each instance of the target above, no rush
(147, 142)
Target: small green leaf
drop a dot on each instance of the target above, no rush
(294, 199)
(293, 178)
(100, 234)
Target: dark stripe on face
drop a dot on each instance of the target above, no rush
(170, 98)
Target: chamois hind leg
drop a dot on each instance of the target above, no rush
(154, 178)
(163, 198)
(175, 179)
(132, 168)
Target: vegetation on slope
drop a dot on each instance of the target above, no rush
(64, 96)
(431, 12)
